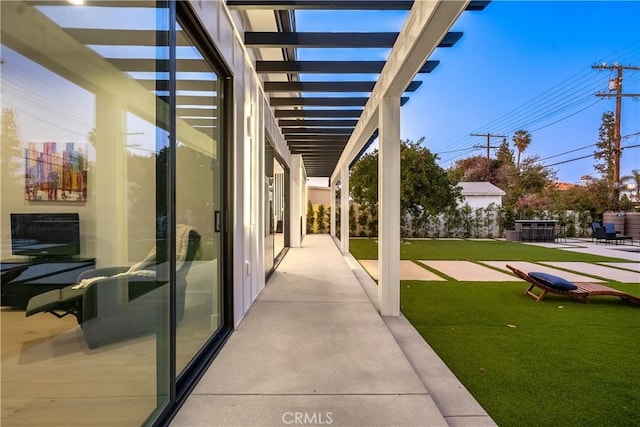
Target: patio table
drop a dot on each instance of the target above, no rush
(537, 230)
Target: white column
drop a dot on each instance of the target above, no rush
(344, 209)
(295, 198)
(389, 207)
(332, 217)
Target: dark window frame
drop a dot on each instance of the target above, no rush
(181, 386)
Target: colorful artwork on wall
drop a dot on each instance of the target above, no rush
(56, 172)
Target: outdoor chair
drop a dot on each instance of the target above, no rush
(597, 232)
(114, 303)
(607, 233)
(550, 284)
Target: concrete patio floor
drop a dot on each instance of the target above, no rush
(314, 348)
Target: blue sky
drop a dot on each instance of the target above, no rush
(520, 65)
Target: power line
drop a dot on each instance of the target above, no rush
(568, 152)
(586, 157)
(566, 117)
(573, 92)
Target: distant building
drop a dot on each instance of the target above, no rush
(480, 194)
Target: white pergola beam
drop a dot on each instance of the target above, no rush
(427, 24)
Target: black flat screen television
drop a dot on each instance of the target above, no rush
(45, 235)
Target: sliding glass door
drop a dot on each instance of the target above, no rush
(112, 111)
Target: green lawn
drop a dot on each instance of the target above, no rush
(554, 363)
(486, 250)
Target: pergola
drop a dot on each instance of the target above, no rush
(320, 127)
(329, 140)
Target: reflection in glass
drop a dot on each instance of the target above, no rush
(278, 206)
(198, 201)
(269, 227)
(64, 82)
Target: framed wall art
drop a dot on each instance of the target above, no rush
(56, 171)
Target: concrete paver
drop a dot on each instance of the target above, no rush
(530, 266)
(408, 271)
(468, 271)
(625, 265)
(628, 252)
(622, 276)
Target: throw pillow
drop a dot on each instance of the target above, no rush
(552, 281)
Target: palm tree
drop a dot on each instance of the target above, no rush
(521, 139)
(631, 184)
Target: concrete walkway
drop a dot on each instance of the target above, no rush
(314, 350)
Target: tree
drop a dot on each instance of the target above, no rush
(591, 196)
(521, 140)
(352, 220)
(604, 156)
(504, 155)
(424, 186)
(605, 148)
(363, 181)
(500, 171)
(320, 218)
(531, 191)
(311, 217)
(11, 156)
(631, 184)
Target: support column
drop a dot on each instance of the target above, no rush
(389, 207)
(295, 197)
(344, 209)
(332, 217)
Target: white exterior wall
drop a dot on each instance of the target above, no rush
(481, 201)
(252, 117)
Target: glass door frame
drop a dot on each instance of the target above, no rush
(180, 386)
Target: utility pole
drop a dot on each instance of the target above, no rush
(489, 136)
(615, 84)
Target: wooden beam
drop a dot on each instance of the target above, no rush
(329, 67)
(318, 123)
(331, 40)
(356, 86)
(318, 113)
(324, 39)
(321, 4)
(324, 102)
(316, 131)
